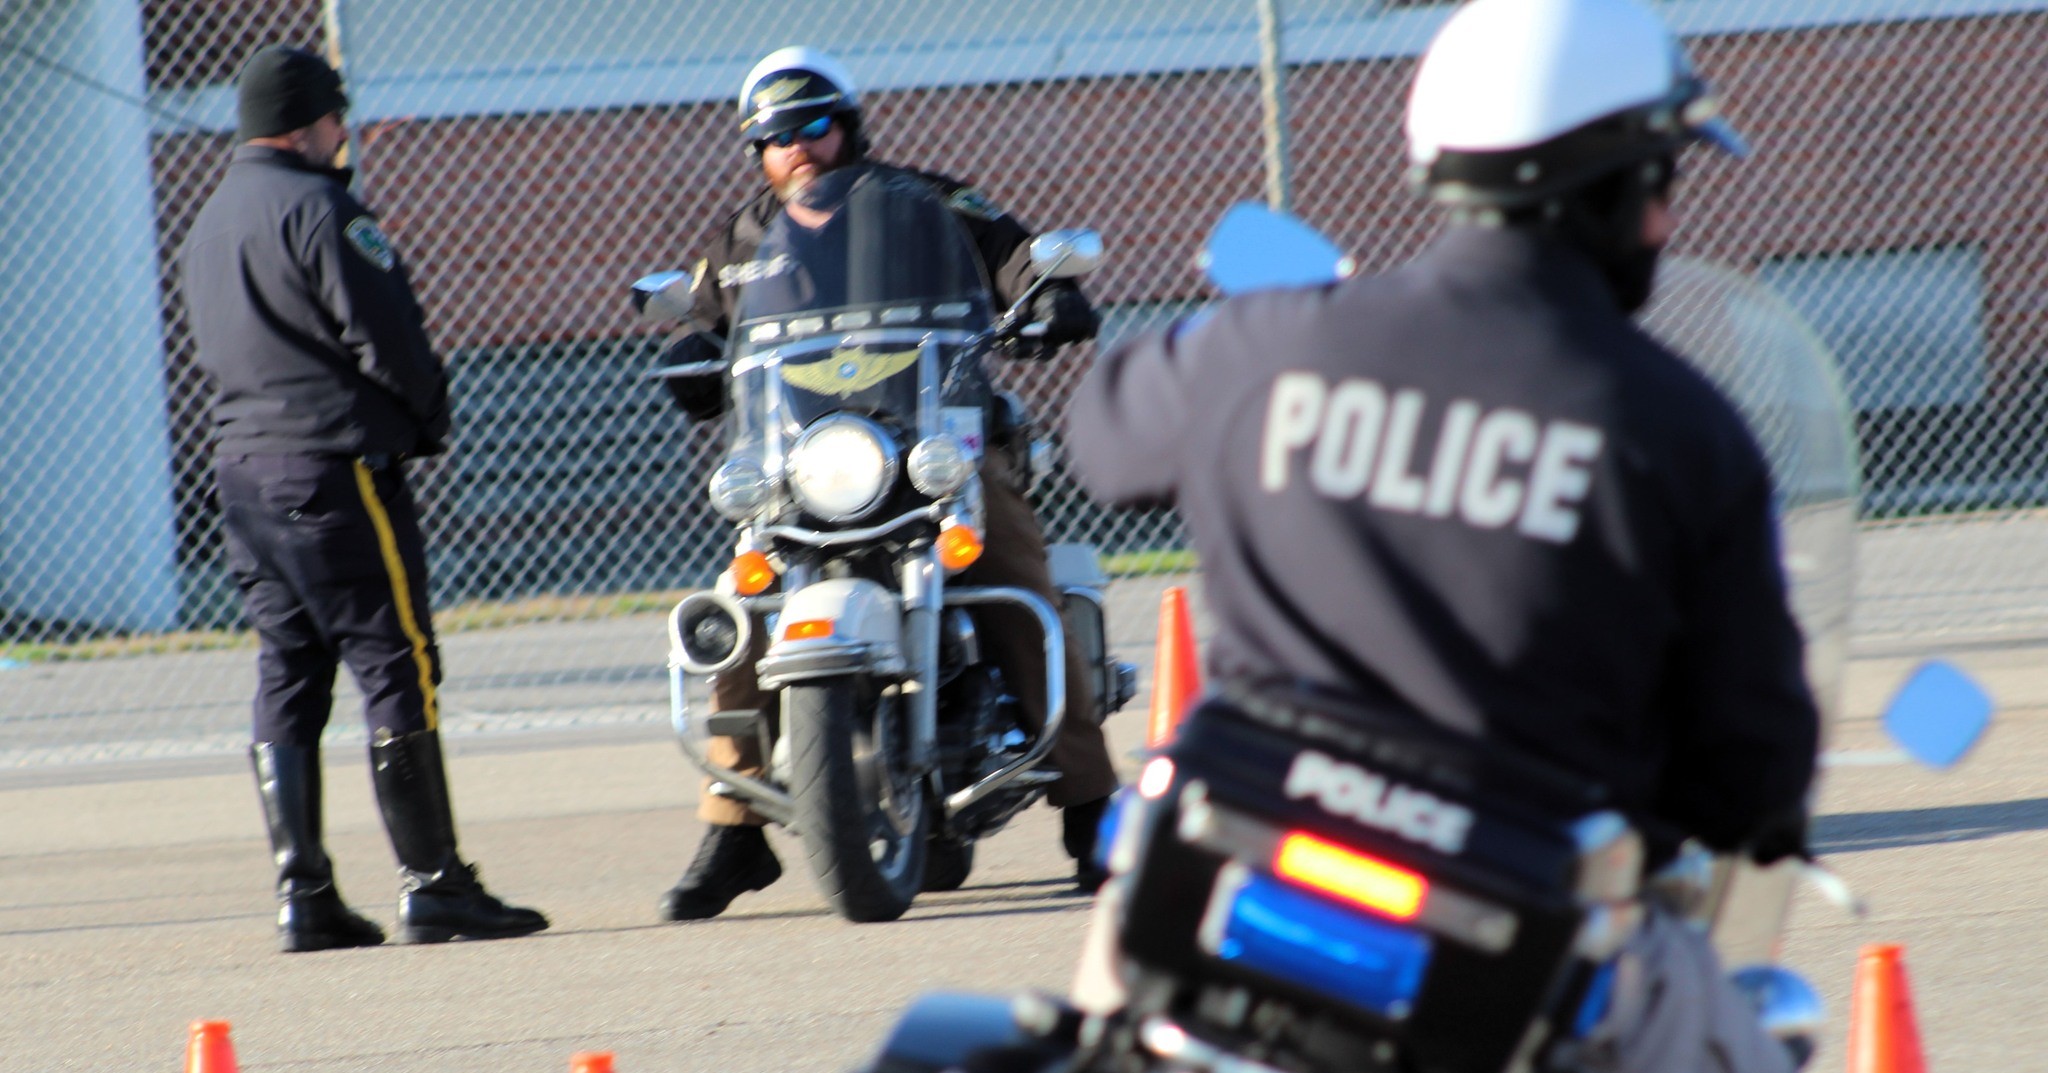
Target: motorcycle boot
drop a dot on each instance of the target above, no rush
(1080, 825)
(310, 913)
(732, 860)
(440, 897)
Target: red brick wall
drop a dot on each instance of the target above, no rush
(528, 228)
(1901, 136)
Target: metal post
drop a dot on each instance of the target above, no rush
(330, 25)
(1273, 98)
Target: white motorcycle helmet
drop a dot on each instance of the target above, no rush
(1518, 101)
(794, 86)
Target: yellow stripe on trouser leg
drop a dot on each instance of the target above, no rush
(401, 591)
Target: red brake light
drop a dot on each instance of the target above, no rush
(1350, 876)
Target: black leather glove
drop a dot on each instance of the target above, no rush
(1782, 836)
(1065, 311)
(702, 396)
(433, 436)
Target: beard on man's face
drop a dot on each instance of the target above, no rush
(800, 176)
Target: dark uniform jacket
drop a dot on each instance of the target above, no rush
(305, 318)
(1004, 245)
(1472, 489)
(1002, 242)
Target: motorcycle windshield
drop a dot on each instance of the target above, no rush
(1782, 378)
(1765, 358)
(863, 291)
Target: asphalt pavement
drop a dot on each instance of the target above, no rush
(135, 899)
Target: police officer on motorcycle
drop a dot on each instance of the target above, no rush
(1472, 491)
(801, 117)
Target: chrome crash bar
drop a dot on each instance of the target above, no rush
(1055, 640)
(763, 797)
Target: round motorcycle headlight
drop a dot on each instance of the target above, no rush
(842, 467)
(940, 465)
(739, 488)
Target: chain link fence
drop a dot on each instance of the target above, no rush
(532, 157)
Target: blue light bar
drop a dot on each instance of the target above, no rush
(1333, 950)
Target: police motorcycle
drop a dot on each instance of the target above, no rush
(855, 435)
(1304, 885)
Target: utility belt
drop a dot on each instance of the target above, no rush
(378, 462)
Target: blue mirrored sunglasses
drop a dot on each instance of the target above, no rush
(809, 132)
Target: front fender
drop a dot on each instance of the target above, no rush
(863, 634)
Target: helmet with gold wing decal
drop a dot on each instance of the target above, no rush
(795, 86)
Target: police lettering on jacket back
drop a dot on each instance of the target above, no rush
(1485, 467)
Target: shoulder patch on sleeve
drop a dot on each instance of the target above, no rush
(969, 201)
(368, 239)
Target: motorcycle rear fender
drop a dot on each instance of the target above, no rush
(865, 638)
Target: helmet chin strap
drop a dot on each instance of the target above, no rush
(1633, 276)
(1602, 219)
(856, 136)
(1612, 236)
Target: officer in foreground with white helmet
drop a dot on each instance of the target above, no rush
(1471, 490)
(801, 118)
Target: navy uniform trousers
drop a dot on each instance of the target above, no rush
(332, 567)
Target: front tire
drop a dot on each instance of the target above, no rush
(947, 863)
(863, 818)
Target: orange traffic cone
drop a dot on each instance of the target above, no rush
(210, 1050)
(1883, 1037)
(591, 1062)
(1176, 673)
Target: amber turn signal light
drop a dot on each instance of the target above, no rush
(959, 547)
(808, 629)
(751, 573)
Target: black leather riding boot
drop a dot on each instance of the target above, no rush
(440, 898)
(310, 914)
(1079, 824)
(732, 860)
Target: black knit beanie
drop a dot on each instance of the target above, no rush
(282, 89)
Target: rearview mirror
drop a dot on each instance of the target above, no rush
(1255, 248)
(1066, 253)
(1938, 716)
(663, 296)
(1787, 1007)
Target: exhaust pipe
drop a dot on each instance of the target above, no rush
(709, 632)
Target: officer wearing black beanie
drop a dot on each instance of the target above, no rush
(282, 89)
(324, 386)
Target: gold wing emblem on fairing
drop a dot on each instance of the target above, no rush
(848, 372)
